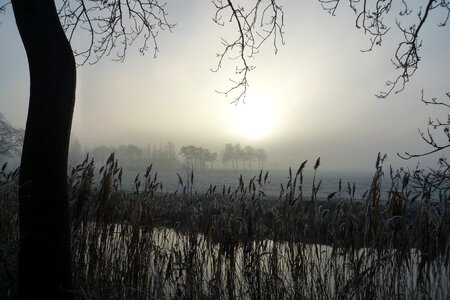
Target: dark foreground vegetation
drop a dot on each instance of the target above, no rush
(234, 242)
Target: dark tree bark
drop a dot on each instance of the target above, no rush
(44, 254)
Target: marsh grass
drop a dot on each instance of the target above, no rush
(237, 243)
(9, 232)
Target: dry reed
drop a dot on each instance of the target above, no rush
(237, 243)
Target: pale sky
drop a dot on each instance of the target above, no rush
(314, 98)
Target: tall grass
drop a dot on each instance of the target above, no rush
(235, 242)
(9, 232)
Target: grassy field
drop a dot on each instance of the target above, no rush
(238, 243)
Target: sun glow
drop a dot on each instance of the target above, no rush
(255, 118)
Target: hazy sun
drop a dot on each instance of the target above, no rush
(254, 119)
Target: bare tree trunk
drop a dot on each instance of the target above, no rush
(44, 256)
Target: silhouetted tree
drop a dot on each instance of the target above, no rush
(44, 253)
(104, 27)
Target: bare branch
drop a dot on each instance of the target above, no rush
(407, 155)
(370, 15)
(263, 21)
(4, 6)
(330, 6)
(436, 179)
(428, 136)
(109, 27)
(434, 100)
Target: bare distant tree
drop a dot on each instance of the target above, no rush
(227, 155)
(249, 155)
(195, 158)
(211, 158)
(11, 138)
(371, 16)
(261, 157)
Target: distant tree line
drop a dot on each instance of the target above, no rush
(163, 156)
(166, 156)
(237, 156)
(198, 158)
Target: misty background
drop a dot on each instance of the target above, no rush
(315, 98)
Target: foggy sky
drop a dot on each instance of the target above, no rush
(318, 91)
